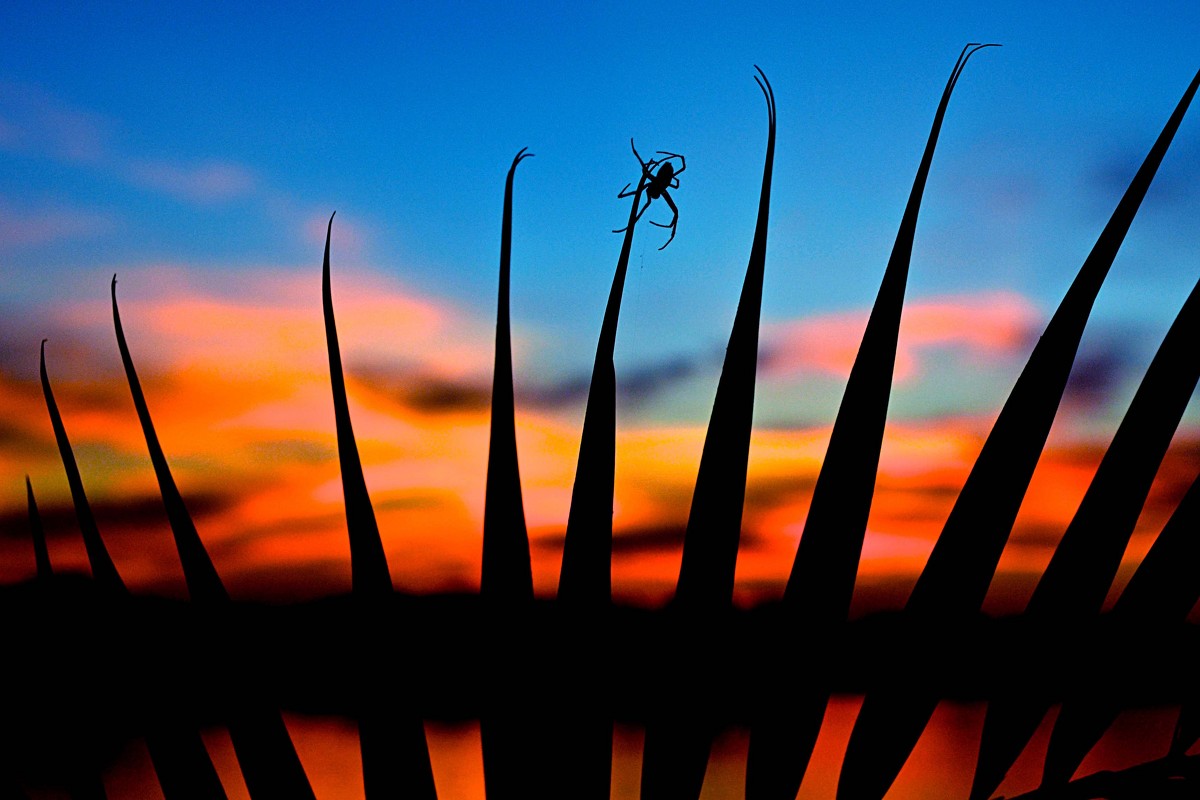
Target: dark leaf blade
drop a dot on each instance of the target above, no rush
(204, 584)
(1163, 589)
(41, 555)
(1187, 729)
(715, 520)
(261, 742)
(1083, 566)
(506, 582)
(103, 569)
(960, 568)
(182, 764)
(395, 753)
(677, 748)
(579, 753)
(1170, 777)
(821, 583)
(368, 564)
(507, 573)
(586, 576)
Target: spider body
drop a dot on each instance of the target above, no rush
(656, 185)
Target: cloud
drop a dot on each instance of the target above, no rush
(425, 393)
(27, 227)
(207, 182)
(636, 384)
(1174, 185)
(1099, 370)
(991, 326)
(39, 124)
(236, 375)
(112, 514)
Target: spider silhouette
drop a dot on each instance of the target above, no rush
(656, 186)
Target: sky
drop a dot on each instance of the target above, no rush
(198, 156)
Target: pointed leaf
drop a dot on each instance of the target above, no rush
(368, 564)
(676, 750)
(260, 739)
(40, 554)
(1083, 566)
(586, 576)
(204, 585)
(103, 569)
(507, 573)
(955, 579)
(821, 584)
(1163, 589)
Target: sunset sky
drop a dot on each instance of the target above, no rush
(198, 156)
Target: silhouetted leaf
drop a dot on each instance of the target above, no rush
(507, 574)
(1163, 589)
(182, 764)
(586, 577)
(395, 754)
(103, 569)
(676, 750)
(821, 583)
(1083, 566)
(260, 739)
(955, 580)
(40, 554)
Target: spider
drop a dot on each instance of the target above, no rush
(656, 185)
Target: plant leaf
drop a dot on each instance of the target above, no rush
(821, 583)
(955, 579)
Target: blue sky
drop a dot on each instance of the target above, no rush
(149, 135)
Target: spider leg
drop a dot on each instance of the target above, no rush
(674, 219)
(646, 165)
(682, 160)
(635, 219)
(625, 192)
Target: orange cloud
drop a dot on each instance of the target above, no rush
(992, 325)
(236, 374)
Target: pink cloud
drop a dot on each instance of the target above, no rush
(207, 182)
(21, 228)
(988, 325)
(39, 123)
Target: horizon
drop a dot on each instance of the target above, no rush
(414, 282)
(200, 158)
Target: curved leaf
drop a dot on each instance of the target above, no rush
(821, 583)
(955, 579)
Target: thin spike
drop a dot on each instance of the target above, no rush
(41, 555)
(395, 754)
(368, 563)
(507, 574)
(676, 750)
(183, 766)
(586, 576)
(204, 584)
(260, 739)
(821, 584)
(715, 520)
(579, 749)
(103, 569)
(506, 582)
(955, 579)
